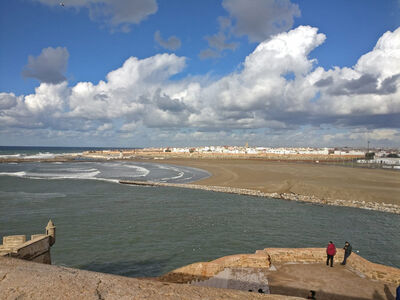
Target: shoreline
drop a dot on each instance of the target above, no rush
(382, 207)
(308, 182)
(319, 184)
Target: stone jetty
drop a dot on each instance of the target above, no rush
(383, 207)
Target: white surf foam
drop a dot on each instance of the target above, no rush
(78, 175)
(180, 173)
(141, 172)
(15, 174)
(40, 155)
(10, 156)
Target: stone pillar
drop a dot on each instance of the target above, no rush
(51, 231)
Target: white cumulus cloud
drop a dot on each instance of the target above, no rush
(278, 92)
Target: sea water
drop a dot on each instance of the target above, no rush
(147, 231)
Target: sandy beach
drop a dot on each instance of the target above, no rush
(308, 179)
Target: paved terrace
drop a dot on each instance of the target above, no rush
(294, 272)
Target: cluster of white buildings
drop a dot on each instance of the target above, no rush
(266, 150)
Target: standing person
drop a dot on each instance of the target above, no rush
(311, 295)
(330, 251)
(347, 251)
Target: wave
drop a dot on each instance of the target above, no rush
(15, 174)
(10, 156)
(40, 155)
(142, 171)
(33, 175)
(32, 195)
(81, 175)
(105, 171)
(180, 173)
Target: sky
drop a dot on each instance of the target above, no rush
(150, 73)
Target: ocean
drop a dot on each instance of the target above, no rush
(144, 231)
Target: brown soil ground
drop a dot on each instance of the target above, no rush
(311, 179)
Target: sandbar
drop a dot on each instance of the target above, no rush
(300, 178)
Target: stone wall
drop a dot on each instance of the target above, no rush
(356, 262)
(206, 270)
(269, 256)
(301, 255)
(37, 249)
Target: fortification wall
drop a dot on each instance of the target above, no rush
(311, 255)
(264, 258)
(36, 249)
(206, 270)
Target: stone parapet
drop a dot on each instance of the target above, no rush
(269, 256)
(206, 270)
(36, 249)
(312, 255)
(13, 241)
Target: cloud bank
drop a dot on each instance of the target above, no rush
(259, 19)
(117, 14)
(280, 95)
(172, 43)
(49, 66)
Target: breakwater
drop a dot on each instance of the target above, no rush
(383, 207)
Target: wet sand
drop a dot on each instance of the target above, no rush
(308, 179)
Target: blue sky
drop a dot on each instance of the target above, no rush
(270, 72)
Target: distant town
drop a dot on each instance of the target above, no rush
(389, 157)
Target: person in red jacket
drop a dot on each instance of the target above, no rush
(330, 251)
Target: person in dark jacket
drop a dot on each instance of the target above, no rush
(330, 251)
(311, 295)
(347, 251)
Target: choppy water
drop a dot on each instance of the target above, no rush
(148, 231)
(39, 152)
(107, 171)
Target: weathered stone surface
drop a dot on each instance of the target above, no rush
(21, 279)
(13, 241)
(295, 271)
(264, 258)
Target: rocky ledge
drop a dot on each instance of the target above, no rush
(21, 279)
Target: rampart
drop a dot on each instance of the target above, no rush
(267, 257)
(36, 249)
